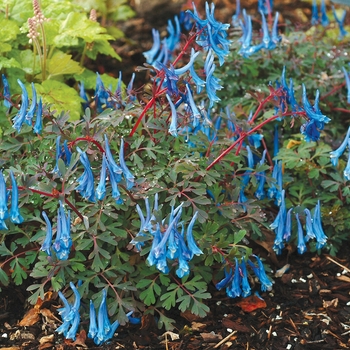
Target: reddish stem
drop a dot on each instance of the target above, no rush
(88, 139)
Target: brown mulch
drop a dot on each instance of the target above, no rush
(308, 308)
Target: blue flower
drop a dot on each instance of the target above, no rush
(279, 226)
(310, 131)
(347, 81)
(259, 193)
(223, 283)
(115, 168)
(314, 15)
(185, 68)
(38, 121)
(3, 202)
(151, 54)
(275, 38)
(83, 95)
(314, 112)
(6, 94)
(235, 17)
(246, 290)
(101, 187)
(70, 315)
(234, 290)
(192, 246)
(288, 226)
(129, 90)
(170, 77)
(113, 179)
(308, 225)
(92, 325)
(58, 153)
(173, 123)
(301, 239)
(130, 178)
(174, 34)
(21, 114)
(324, 17)
(321, 238)
(31, 111)
(340, 21)
(15, 215)
(259, 271)
(63, 241)
(334, 155)
(267, 42)
(86, 183)
(265, 6)
(46, 246)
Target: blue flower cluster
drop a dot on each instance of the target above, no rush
(25, 114)
(168, 242)
(63, 242)
(237, 281)
(212, 34)
(14, 214)
(105, 98)
(315, 119)
(283, 228)
(86, 185)
(269, 41)
(315, 16)
(265, 6)
(99, 331)
(341, 22)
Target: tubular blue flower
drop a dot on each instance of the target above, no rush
(301, 239)
(334, 155)
(185, 68)
(279, 226)
(19, 118)
(226, 280)
(265, 6)
(133, 320)
(15, 215)
(293, 103)
(347, 81)
(267, 42)
(246, 176)
(194, 109)
(235, 17)
(288, 226)
(321, 238)
(31, 110)
(259, 271)
(101, 94)
(151, 54)
(39, 121)
(70, 315)
(3, 201)
(66, 155)
(200, 83)
(174, 34)
(111, 162)
(275, 38)
(173, 124)
(346, 171)
(103, 322)
(170, 78)
(157, 237)
(101, 187)
(86, 183)
(183, 267)
(83, 95)
(46, 246)
(129, 90)
(6, 93)
(234, 290)
(114, 183)
(259, 193)
(310, 131)
(63, 241)
(129, 177)
(314, 15)
(324, 17)
(192, 246)
(340, 21)
(246, 290)
(313, 112)
(308, 225)
(58, 153)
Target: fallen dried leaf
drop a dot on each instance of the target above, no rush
(211, 337)
(47, 339)
(197, 326)
(251, 303)
(331, 303)
(235, 326)
(30, 318)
